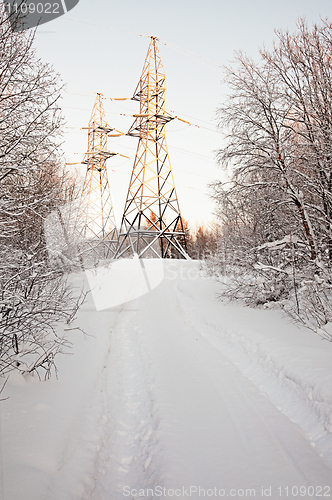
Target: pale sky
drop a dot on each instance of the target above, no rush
(97, 47)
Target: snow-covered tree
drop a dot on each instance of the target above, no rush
(278, 148)
(33, 295)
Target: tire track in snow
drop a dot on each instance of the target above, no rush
(116, 442)
(131, 452)
(77, 470)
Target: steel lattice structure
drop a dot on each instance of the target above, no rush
(151, 224)
(98, 231)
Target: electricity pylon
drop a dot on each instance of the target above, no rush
(151, 224)
(98, 231)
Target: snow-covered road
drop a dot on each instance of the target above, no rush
(183, 398)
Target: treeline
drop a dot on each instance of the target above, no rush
(202, 242)
(275, 208)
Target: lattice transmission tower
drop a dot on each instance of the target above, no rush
(151, 225)
(96, 222)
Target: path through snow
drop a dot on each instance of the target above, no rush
(176, 391)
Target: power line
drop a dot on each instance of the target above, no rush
(196, 57)
(184, 52)
(105, 27)
(126, 114)
(132, 110)
(184, 151)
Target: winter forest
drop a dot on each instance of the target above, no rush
(268, 251)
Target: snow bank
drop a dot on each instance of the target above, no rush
(290, 364)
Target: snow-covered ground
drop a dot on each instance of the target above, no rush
(173, 394)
